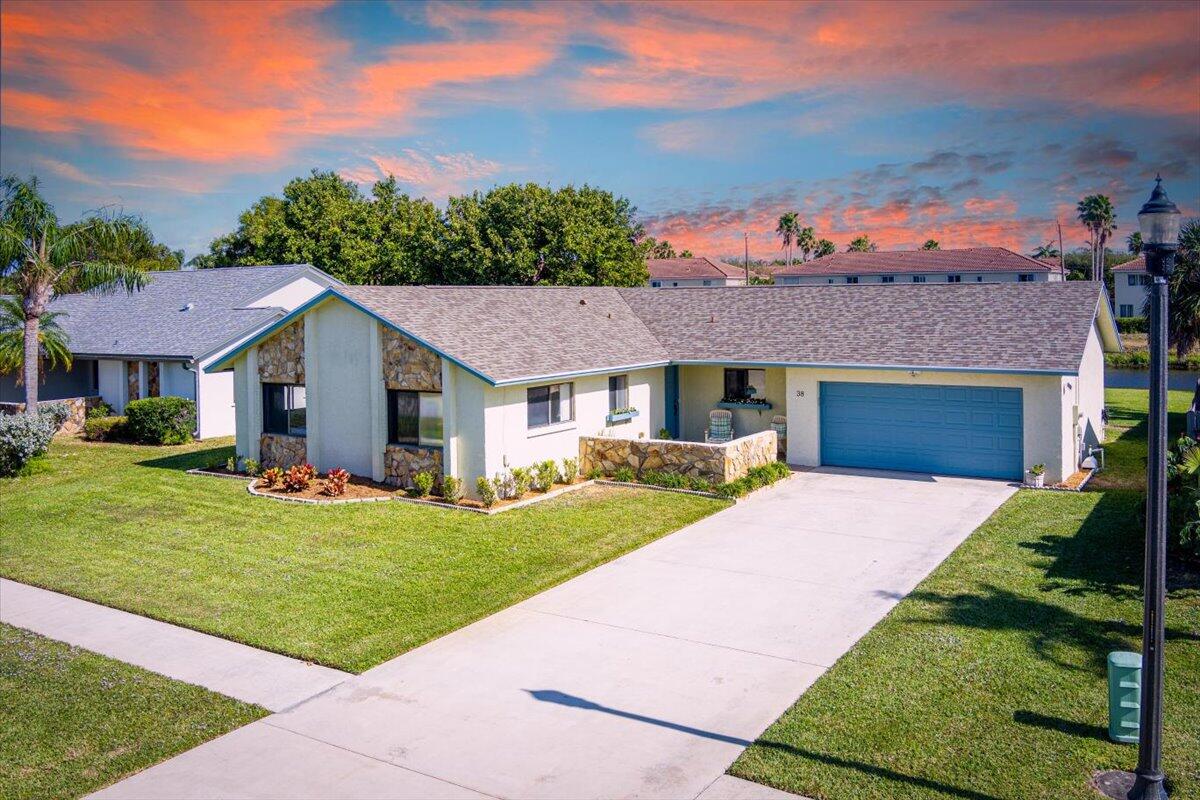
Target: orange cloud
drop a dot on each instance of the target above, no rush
(435, 176)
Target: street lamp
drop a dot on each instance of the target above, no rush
(1159, 222)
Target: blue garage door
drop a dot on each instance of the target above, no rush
(949, 430)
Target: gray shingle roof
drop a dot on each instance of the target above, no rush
(513, 333)
(153, 322)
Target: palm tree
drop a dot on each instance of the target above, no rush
(39, 259)
(1097, 214)
(1047, 250)
(824, 248)
(53, 349)
(1183, 288)
(931, 244)
(1134, 242)
(789, 225)
(861, 244)
(806, 241)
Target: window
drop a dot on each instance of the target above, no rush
(1025, 277)
(745, 384)
(851, 279)
(284, 409)
(979, 279)
(954, 279)
(1126, 310)
(831, 280)
(415, 418)
(1143, 280)
(707, 283)
(618, 392)
(656, 284)
(549, 405)
(918, 278)
(887, 278)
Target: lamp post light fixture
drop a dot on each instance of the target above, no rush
(1159, 223)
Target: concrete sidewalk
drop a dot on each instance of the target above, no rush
(255, 676)
(645, 677)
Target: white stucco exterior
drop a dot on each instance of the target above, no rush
(679, 283)
(1130, 289)
(929, 277)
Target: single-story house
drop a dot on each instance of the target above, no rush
(469, 381)
(965, 265)
(673, 273)
(156, 341)
(1131, 285)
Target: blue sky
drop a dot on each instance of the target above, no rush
(972, 123)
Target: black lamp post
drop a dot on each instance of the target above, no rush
(1159, 222)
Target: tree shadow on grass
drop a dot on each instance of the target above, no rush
(195, 459)
(583, 704)
(1070, 727)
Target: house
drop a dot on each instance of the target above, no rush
(157, 340)
(1131, 286)
(673, 273)
(470, 381)
(966, 265)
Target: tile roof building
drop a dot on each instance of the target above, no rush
(966, 265)
(674, 273)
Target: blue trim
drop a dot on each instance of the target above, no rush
(671, 399)
(622, 417)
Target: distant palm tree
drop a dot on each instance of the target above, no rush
(42, 258)
(1097, 214)
(931, 244)
(53, 347)
(861, 244)
(1134, 242)
(1047, 250)
(806, 241)
(789, 225)
(824, 248)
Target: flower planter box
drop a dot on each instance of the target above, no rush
(758, 405)
(623, 416)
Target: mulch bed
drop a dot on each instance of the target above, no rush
(356, 489)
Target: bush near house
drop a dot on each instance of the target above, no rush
(487, 491)
(23, 437)
(755, 478)
(161, 420)
(104, 429)
(1132, 324)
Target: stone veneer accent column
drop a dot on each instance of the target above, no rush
(401, 462)
(409, 366)
(278, 450)
(715, 462)
(133, 378)
(281, 358)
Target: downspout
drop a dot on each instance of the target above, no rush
(193, 367)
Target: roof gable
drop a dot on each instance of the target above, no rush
(691, 269)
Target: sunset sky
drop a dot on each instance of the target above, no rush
(972, 123)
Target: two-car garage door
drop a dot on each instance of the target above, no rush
(952, 430)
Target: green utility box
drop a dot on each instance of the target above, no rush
(1124, 696)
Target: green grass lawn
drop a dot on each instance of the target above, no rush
(348, 586)
(989, 680)
(72, 721)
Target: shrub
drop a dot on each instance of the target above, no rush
(595, 474)
(451, 489)
(669, 480)
(422, 484)
(161, 420)
(624, 475)
(486, 490)
(251, 466)
(506, 485)
(755, 478)
(101, 410)
(663, 433)
(1132, 324)
(521, 480)
(272, 477)
(104, 429)
(544, 475)
(335, 482)
(55, 414)
(570, 470)
(298, 477)
(231, 464)
(22, 437)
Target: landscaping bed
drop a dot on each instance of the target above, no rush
(73, 721)
(989, 679)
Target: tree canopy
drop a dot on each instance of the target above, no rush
(861, 244)
(518, 234)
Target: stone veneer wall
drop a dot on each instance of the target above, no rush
(281, 358)
(280, 450)
(133, 379)
(78, 407)
(716, 462)
(409, 366)
(401, 462)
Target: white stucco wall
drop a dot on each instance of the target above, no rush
(215, 406)
(1089, 387)
(339, 383)
(174, 380)
(246, 442)
(930, 277)
(112, 383)
(292, 295)
(1046, 410)
(702, 387)
(680, 283)
(1129, 295)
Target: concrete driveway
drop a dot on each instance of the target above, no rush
(645, 677)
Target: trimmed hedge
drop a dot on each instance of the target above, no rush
(104, 429)
(1132, 324)
(161, 420)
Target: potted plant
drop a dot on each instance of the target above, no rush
(1036, 477)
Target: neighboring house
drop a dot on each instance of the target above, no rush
(968, 265)
(673, 273)
(156, 341)
(1131, 285)
(469, 381)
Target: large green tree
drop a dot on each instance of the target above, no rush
(41, 258)
(861, 244)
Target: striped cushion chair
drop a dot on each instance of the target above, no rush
(720, 427)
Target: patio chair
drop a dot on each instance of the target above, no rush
(720, 427)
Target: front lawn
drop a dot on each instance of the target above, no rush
(73, 721)
(348, 586)
(989, 680)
